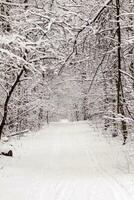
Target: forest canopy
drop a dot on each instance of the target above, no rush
(67, 59)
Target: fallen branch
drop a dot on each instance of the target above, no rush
(18, 133)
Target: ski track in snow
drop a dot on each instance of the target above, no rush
(65, 161)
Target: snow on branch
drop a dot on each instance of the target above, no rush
(15, 4)
(18, 58)
(88, 23)
(3, 88)
(100, 11)
(40, 15)
(125, 73)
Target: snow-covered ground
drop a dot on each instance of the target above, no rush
(66, 161)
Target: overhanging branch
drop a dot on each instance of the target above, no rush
(88, 23)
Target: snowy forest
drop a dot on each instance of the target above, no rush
(68, 61)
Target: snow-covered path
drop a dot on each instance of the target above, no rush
(65, 161)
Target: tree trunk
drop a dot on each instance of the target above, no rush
(120, 108)
(47, 117)
(7, 101)
(76, 112)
